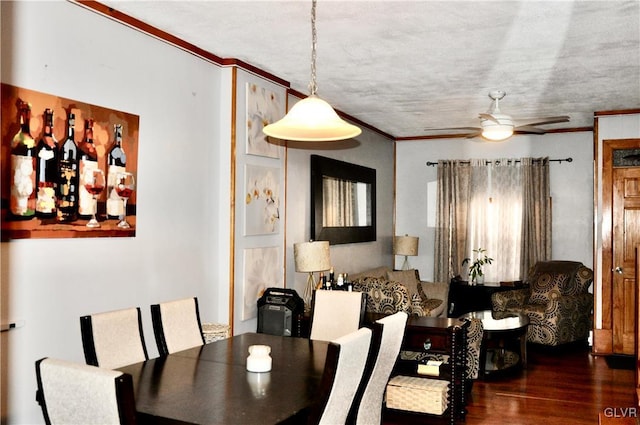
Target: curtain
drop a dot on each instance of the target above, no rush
(536, 213)
(502, 206)
(451, 218)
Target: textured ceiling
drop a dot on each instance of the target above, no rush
(406, 67)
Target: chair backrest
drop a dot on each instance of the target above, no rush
(73, 393)
(336, 313)
(343, 371)
(176, 325)
(550, 279)
(385, 347)
(474, 343)
(113, 339)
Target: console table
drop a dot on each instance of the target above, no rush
(465, 298)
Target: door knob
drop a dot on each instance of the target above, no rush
(618, 270)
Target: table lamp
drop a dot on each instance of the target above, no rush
(405, 245)
(311, 257)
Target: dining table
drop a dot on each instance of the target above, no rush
(210, 384)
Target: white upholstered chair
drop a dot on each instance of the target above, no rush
(343, 371)
(113, 339)
(176, 325)
(74, 393)
(336, 313)
(385, 347)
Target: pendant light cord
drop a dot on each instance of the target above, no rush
(313, 87)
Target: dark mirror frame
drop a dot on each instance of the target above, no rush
(322, 166)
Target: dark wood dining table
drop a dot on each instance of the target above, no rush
(210, 384)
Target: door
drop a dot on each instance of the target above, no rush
(620, 224)
(625, 235)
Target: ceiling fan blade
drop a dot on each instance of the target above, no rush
(475, 134)
(528, 129)
(454, 128)
(544, 120)
(489, 117)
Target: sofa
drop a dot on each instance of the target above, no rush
(557, 302)
(389, 291)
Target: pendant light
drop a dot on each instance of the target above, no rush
(312, 119)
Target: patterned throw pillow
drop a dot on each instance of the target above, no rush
(409, 280)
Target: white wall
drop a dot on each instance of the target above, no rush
(571, 188)
(370, 150)
(63, 49)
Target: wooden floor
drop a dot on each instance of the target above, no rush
(571, 387)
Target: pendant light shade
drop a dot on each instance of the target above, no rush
(312, 120)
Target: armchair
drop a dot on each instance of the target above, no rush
(557, 302)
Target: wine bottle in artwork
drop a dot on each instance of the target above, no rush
(22, 201)
(116, 163)
(47, 169)
(87, 160)
(67, 189)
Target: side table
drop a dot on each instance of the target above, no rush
(504, 341)
(438, 336)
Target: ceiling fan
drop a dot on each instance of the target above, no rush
(496, 126)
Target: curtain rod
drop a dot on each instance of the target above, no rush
(560, 160)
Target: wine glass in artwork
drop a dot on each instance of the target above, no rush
(94, 183)
(125, 185)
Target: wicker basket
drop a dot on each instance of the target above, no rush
(417, 394)
(215, 332)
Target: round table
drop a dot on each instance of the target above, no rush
(504, 341)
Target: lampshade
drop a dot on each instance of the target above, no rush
(312, 120)
(312, 256)
(405, 245)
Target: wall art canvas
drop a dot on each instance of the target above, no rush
(261, 271)
(262, 200)
(263, 107)
(33, 196)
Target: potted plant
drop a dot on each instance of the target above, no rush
(475, 269)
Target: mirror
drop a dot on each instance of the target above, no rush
(344, 201)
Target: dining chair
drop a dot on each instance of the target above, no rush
(176, 325)
(385, 347)
(336, 313)
(74, 393)
(113, 339)
(343, 371)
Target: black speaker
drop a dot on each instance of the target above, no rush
(280, 312)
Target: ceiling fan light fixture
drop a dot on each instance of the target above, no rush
(497, 132)
(312, 119)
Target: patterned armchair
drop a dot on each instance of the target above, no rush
(557, 302)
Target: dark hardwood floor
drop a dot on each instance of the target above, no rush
(568, 387)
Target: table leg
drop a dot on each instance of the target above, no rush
(523, 350)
